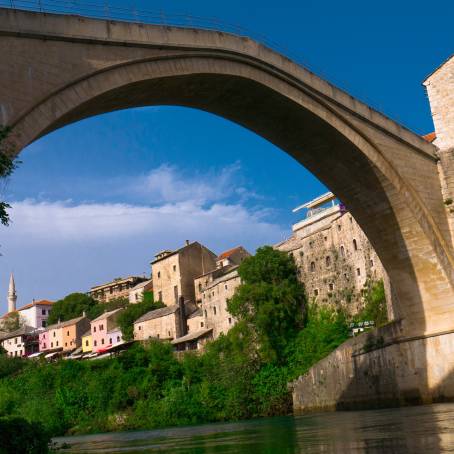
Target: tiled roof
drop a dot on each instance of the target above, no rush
(430, 137)
(157, 313)
(107, 314)
(192, 336)
(36, 303)
(228, 253)
(87, 333)
(19, 332)
(141, 285)
(231, 274)
(65, 324)
(197, 313)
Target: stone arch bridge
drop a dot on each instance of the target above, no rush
(57, 69)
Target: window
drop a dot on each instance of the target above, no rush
(51, 345)
(157, 336)
(331, 287)
(67, 333)
(43, 311)
(140, 328)
(66, 344)
(160, 296)
(101, 327)
(226, 286)
(159, 274)
(43, 323)
(44, 345)
(230, 321)
(54, 333)
(311, 244)
(351, 219)
(371, 262)
(137, 296)
(86, 343)
(339, 227)
(325, 238)
(328, 261)
(111, 290)
(118, 338)
(102, 341)
(206, 313)
(214, 310)
(200, 286)
(175, 293)
(169, 333)
(355, 245)
(94, 329)
(358, 271)
(174, 268)
(56, 344)
(342, 251)
(312, 267)
(96, 343)
(110, 341)
(201, 324)
(316, 292)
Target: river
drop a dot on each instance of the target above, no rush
(426, 429)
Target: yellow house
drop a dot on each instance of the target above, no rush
(87, 343)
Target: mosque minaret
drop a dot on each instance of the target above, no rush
(12, 295)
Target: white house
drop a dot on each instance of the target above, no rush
(36, 313)
(136, 293)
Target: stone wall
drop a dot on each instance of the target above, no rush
(379, 369)
(335, 259)
(166, 327)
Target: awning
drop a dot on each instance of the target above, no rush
(35, 355)
(51, 355)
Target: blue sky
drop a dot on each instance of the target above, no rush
(96, 199)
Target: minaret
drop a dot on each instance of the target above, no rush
(12, 295)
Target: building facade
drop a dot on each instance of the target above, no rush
(65, 336)
(137, 292)
(161, 324)
(36, 313)
(100, 328)
(335, 259)
(22, 342)
(173, 272)
(118, 288)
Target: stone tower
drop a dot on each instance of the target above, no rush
(12, 295)
(440, 90)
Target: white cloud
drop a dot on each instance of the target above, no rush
(57, 247)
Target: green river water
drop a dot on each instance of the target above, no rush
(426, 429)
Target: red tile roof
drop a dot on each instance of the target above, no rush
(228, 253)
(36, 303)
(430, 137)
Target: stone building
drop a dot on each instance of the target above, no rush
(332, 253)
(118, 288)
(161, 324)
(173, 272)
(214, 288)
(137, 292)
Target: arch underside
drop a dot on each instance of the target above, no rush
(344, 158)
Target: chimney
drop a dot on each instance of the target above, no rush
(187, 242)
(183, 321)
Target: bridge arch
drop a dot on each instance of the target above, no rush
(386, 177)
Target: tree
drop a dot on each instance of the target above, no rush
(271, 300)
(375, 307)
(12, 322)
(7, 165)
(72, 306)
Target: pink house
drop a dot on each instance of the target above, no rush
(101, 328)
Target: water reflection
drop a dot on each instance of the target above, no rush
(427, 429)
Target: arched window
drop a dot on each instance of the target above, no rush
(355, 245)
(328, 261)
(342, 251)
(312, 267)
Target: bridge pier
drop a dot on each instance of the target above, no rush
(380, 369)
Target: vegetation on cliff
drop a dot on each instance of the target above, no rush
(243, 374)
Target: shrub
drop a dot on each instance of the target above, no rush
(19, 436)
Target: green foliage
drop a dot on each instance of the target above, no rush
(132, 312)
(73, 306)
(22, 437)
(12, 322)
(271, 299)
(375, 307)
(10, 366)
(7, 167)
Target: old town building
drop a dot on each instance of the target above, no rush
(36, 313)
(118, 288)
(335, 259)
(100, 328)
(87, 342)
(174, 272)
(66, 336)
(21, 342)
(137, 292)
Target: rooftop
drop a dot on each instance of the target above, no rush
(157, 313)
(117, 281)
(73, 321)
(430, 137)
(192, 336)
(107, 314)
(228, 253)
(36, 303)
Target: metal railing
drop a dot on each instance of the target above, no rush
(108, 11)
